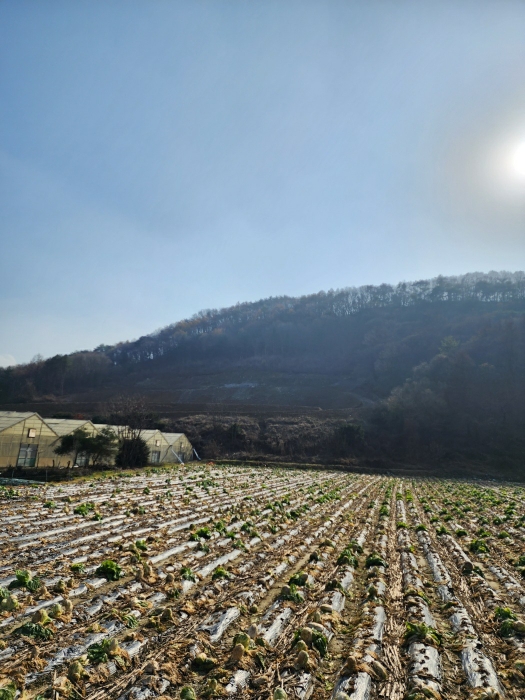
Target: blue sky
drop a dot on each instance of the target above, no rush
(160, 157)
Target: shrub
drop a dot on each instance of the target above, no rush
(133, 452)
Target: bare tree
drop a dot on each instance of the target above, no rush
(129, 414)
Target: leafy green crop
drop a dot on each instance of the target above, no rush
(355, 547)
(348, 558)
(420, 632)
(9, 493)
(320, 642)
(187, 574)
(299, 579)
(35, 630)
(24, 580)
(482, 532)
(220, 572)
(203, 532)
(291, 593)
(479, 547)
(99, 653)
(84, 508)
(8, 692)
(375, 560)
(110, 570)
(130, 621)
(504, 614)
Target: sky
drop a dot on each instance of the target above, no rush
(159, 157)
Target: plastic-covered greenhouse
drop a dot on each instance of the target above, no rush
(179, 448)
(28, 440)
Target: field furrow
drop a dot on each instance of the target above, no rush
(206, 581)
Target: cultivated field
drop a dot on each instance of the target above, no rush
(206, 581)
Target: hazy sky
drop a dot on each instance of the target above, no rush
(160, 157)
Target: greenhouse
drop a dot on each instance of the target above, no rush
(157, 444)
(66, 426)
(26, 440)
(179, 448)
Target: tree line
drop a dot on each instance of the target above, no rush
(377, 333)
(439, 366)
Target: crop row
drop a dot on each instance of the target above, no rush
(205, 582)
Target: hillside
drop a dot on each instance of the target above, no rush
(433, 369)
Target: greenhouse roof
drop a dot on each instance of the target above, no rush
(173, 437)
(64, 426)
(148, 434)
(114, 428)
(9, 418)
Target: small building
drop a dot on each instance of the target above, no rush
(179, 448)
(154, 439)
(164, 448)
(26, 440)
(66, 426)
(157, 444)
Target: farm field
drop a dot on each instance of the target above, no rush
(226, 581)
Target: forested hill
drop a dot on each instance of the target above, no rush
(425, 366)
(286, 325)
(363, 342)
